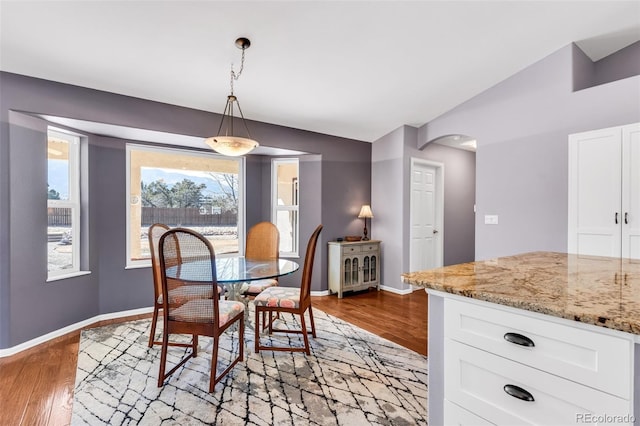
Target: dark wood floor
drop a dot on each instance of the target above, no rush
(36, 385)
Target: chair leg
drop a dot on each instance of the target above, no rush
(313, 324)
(154, 321)
(271, 319)
(163, 360)
(241, 338)
(214, 358)
(304, 334)
(257, 330)
(214, 364)
(194, 345)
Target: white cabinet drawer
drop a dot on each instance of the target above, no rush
(369, 248)
(598, 360)
(476, 380)
(454, 415)
(351, 250)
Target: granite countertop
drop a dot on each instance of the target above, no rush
(602, 291)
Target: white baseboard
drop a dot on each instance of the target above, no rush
(79, 325)
(397, 290)
(68, 329)
(382, 287)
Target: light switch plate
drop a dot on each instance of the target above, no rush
(491, 219)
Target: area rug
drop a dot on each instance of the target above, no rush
(352, 377)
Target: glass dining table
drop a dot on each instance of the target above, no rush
(234, 272)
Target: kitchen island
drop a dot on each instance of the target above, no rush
(537, 338)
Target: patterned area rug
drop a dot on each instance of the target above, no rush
(351, 378)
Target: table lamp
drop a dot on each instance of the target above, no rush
(365, 213)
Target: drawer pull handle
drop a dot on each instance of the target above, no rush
(518, 339)
(518, 392)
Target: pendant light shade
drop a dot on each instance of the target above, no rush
(227, 141)
(232, 146)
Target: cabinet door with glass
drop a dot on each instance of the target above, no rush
(353, 266)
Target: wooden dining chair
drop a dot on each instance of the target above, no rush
(154, 233)
(180, 248)
(291, 300)
(263, 243)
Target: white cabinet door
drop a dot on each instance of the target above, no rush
(631, 191)
(595, 199)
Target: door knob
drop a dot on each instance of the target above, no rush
(435, 231)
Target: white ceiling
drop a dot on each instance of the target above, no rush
(356, 69)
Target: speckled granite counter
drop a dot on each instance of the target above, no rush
(595, 290)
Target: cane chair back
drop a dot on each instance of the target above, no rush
(263, 243)
(187, 259)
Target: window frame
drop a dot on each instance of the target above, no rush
(73, 203)
(275, 208)
(145, 263)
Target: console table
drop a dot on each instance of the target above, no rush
(353, 266)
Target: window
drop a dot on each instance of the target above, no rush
(284, 202)
(63, 204)
(200, 191)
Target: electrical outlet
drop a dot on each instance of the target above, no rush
(491, 219)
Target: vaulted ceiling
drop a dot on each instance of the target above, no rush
(356, 69)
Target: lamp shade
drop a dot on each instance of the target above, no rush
(365, 212)
(231, 145)
(227, 143)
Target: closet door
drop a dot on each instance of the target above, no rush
(595, 199)
(631, 191)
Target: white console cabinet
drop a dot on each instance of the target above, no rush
(353, 266)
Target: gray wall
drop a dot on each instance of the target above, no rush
(387, 204)
(390, 176)
(339, 165)
(459, 198)
(521, 126)
(619, 65)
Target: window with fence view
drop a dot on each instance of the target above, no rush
(183, 188)
(63, 203)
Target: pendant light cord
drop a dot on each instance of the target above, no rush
(234, 75)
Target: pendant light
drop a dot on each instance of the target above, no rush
(227, 141)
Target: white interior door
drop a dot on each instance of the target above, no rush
(595, 199)
(631, 191)
(426, 211)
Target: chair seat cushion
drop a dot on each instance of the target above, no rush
(257, 286)
(201, 310)
(282, 297)
(188, 292)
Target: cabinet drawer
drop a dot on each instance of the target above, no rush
(369, 248)
(476, 380)
(591, 358)
(351, 250)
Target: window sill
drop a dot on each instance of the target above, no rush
(138, 266)
(290, 256)
(69, 275)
